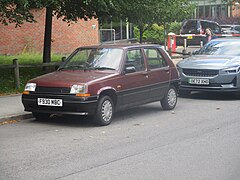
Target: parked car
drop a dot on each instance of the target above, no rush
(230, 29)
(215, 67)
(194, 30)
(100, 80)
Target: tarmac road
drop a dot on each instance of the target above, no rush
(199, 140)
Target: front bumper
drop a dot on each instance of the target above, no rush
(219, 83)
(71, 104)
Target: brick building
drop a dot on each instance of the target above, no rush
(30, 36)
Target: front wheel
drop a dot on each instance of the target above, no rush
(170, 99)
(104, 111)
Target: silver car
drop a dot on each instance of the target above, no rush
(215, 67)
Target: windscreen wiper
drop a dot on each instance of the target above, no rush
(104, 68)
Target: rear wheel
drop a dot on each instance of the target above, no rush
(170, 99)
(41, 116)
(104, 111)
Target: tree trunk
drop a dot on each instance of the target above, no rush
(47, 36)
(141, 34)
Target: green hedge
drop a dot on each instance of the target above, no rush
(155, 33)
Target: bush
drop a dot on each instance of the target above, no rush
(175, 27)
(155, 33)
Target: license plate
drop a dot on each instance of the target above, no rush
(49, 102)
(199, 81)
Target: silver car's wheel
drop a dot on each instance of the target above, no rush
(104, 112)
(170, 99)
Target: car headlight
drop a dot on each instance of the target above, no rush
(30, 87)
(79, 90)
(234, 69)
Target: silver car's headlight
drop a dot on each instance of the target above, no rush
(231, 70)
(79, 90)
(30, 87)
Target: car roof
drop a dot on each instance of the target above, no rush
(229, 25)
(201, 20)
(123, 46)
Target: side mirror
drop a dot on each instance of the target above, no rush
(129, 69)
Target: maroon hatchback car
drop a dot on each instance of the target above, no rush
(100, 80)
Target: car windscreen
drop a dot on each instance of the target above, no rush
(95, 58)
(221, 48)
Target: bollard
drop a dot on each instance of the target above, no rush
(16, 73)
(185, 44)
(201, 44)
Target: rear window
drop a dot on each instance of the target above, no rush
(190, 27)
(197, 26)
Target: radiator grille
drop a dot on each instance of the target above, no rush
(53, 90)
(200, 72)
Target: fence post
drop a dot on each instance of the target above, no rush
(170, 52)
(16, 73)
(63, 59)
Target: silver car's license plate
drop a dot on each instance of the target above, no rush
(199, 81)
(49, 102)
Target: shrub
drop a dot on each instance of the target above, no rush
(155, 33)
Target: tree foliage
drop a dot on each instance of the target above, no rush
(18, 11)
(143, 13)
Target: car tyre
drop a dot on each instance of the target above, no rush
(41, 116)
(104, 111)
(170, 99)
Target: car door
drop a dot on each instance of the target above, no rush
(134, 89)
(158, 73)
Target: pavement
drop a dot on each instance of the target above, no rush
(11, 108)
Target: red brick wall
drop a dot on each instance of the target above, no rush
(30, 36)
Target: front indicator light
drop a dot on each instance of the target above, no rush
(26, 92)
(82, 95)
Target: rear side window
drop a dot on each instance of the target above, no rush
(216, 28)
(204, 25)
(237, 28)
(154, 58)
(212, 25)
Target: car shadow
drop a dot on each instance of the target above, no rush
(88, 122)
(212, 95)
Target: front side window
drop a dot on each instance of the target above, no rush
(154, 58)
(95, 58)
(135, 59)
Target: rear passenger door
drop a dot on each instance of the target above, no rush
(158, 73)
